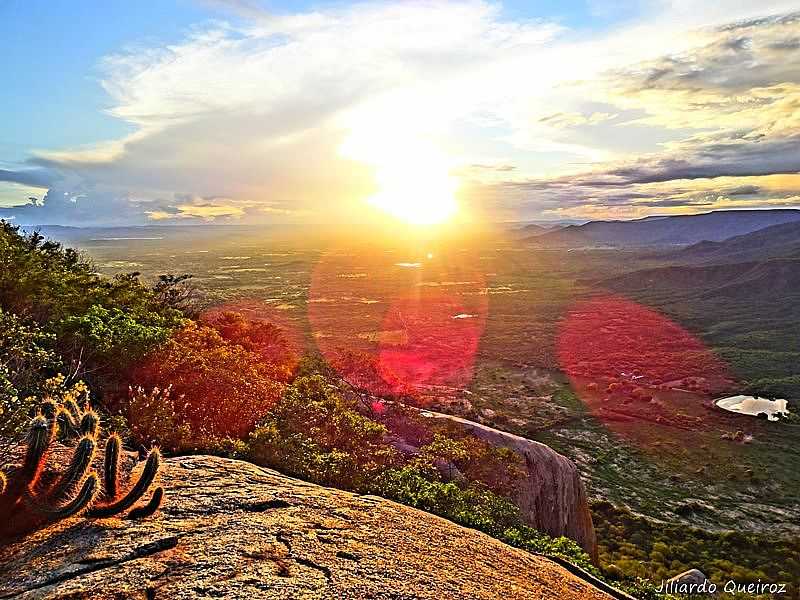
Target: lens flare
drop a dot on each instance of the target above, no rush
(394, 326)
(438, 344)
(635, 369)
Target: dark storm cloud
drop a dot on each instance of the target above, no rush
(42, 178)
(76, 208)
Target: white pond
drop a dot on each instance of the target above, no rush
(750, 405)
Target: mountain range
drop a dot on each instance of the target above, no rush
(666, 231)
(761, 264)
(776, 240)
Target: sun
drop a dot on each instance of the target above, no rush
(412, 177)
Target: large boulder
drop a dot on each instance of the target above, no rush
(230, 529)
(552, 496)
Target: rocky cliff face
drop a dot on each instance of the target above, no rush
(233, 530)
(552, 497)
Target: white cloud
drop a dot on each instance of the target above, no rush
(251, 120)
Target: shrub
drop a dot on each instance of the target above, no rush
(38, 278)
(260, 337)
(474, 506)
(26, 361)
(155, 420)
(316, 434)
(112, 338)
(219, 389)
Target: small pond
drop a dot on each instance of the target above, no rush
(751, 405)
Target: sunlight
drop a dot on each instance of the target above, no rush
(411, 174)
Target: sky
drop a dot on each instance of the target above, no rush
(247, 111)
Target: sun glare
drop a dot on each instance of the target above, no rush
(412, 176)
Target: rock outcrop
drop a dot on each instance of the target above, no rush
(691, 577)
(552, 497)
(230, 529)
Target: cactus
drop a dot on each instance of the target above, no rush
(31, 498)
(26, 503)
(113, 501)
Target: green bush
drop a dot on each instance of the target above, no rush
(111, 338)
(316, 434)
(96, 321)
(26, 363)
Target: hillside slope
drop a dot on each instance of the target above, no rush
(777, 278)
(673, 230)
(233, 530)
(773, 241)
(552, 496)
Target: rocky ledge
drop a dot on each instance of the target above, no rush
(552, 496)
(230, 529)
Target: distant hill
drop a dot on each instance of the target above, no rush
(775, 241)
(666, 231)
(532, 230)
(742, 281)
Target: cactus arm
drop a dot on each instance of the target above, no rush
(147, 510)
(111, 467)
(76, 471)
(90, 424)
(49, 409)
(74, 410)
(81, 501)
(68, 425)
(136, 492)
(40, 436)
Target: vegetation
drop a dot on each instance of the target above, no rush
(95, 326)
(315, 434)
(26, 362)
(218, 388)
(221, 383)
(229, 384)
(633, 546)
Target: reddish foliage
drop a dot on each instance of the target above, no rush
(261, 337)
(219, 387)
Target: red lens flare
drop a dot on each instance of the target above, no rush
(630, 365)
(431, 340)
(389, 324)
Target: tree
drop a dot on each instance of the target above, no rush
(26, 362)
(316, 434)
(257, 336)
(219, 388)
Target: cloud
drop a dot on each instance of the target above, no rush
(258, 112)
(739, 87)
(574, 119)
(247, 122)
(60, 207)
(37, 177)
